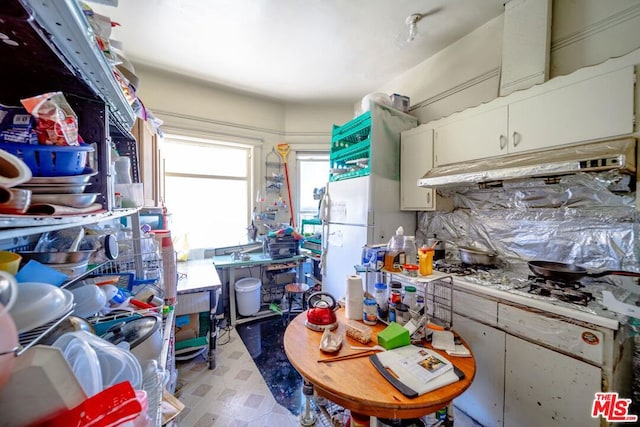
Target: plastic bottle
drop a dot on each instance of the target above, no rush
(395, 256)
(410, 251)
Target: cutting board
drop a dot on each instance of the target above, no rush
(415, 370)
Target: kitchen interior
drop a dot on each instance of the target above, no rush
(511, 149)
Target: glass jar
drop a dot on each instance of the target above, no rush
(409, 296)
(402, 314)
(382, 300)
(370, 313)
(395, 295)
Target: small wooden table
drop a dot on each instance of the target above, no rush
(355, 384)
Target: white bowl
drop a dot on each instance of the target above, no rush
(38, 304)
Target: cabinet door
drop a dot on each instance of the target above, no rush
(484, 400)
(476, 135)
(416, 158)
(546, 388)
(149, 161)
(596, 108)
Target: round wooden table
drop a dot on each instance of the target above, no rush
(355, 384)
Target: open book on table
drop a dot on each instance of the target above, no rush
(415, 370)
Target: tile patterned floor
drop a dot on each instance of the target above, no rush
(235, 393)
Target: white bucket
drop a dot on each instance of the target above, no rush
(248, 296)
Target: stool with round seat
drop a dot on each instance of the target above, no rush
(292, 290)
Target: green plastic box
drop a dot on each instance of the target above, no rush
(394, 336)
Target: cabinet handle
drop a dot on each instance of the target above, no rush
(429, 198)
(516, 139)
(503, 142)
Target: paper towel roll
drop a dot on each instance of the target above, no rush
(354, 298)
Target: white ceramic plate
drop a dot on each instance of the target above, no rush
(38, 304)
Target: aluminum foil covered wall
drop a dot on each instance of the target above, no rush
(587, 219)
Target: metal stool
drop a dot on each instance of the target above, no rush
(293, 289)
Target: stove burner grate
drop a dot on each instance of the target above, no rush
(571, 292)
(462, 269)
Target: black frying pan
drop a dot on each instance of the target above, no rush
(570, 272)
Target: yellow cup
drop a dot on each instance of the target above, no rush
(425, 261)
(9, 262)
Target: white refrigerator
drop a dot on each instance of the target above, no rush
(366, 210)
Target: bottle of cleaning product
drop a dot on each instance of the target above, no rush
(395, 256)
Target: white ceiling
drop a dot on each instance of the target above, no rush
(293, 50)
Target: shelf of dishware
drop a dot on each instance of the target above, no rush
(63, 25)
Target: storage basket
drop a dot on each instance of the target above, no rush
(283, 247)
(50, 160)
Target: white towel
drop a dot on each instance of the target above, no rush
(354, 305)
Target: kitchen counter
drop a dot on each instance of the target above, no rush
(199, 290)
(501, 285)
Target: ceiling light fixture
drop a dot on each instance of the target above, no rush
(412, 23)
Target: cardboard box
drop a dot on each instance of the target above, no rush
(187, 327)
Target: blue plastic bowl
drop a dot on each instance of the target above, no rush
(51, 160)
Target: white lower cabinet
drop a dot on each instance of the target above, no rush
(546, 388)
(484, 400)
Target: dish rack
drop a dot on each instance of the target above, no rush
(350, 148)
(139, 262)
(438, 300)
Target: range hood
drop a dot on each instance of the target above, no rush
(618, 154)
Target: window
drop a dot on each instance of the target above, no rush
(313, 174)
(207, 185)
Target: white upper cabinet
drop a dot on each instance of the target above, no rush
(416, 158)
(591, 104)
(477, 135)
(600, 107)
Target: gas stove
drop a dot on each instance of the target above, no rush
(565, 298)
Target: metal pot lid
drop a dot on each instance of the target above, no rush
(133, 331)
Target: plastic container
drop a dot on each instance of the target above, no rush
(410, 251)
(50, 160)
(409, 296)
(402, 313)
(395, 256)
(395, 292)
(248, 296)
(357, 331)
(370, 311)
(9, 262)
(382, 300)
(425, 260)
